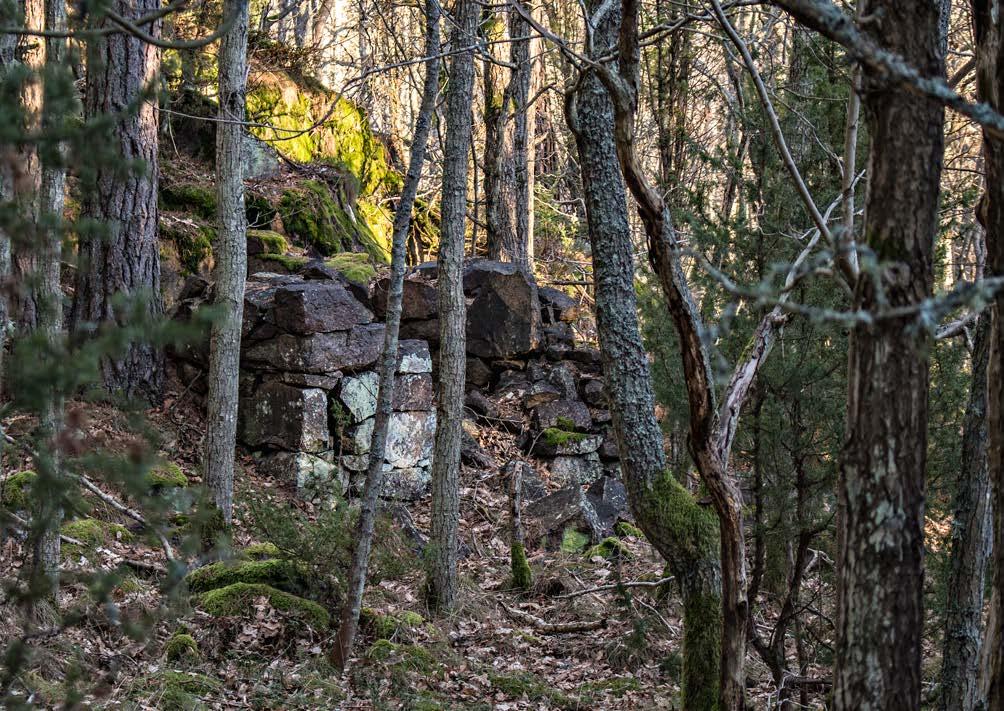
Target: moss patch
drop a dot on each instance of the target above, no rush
(386, 626)
(257, 551)
(272, 242)
(182, 648)
(566, 423)
(259, 211)
(166, 476)
(324, 221)
(287, 263)
(354, 266)
(235, 600)
(520, 685)
(281, 574)
(190, 198)
(194, 243)
(625, 530)
(555, 437)
(15, 494)
(92, 533)
(522, 575)
(404, 656)
(573, 541)
(608, 548)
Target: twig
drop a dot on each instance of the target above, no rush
(617, 586)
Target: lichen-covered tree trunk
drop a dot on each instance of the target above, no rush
(442, 588)
(349, 620)
(121, 266)
(989, 35)
(231, 262)
(881, 562)
(684, 532)
(970, 544)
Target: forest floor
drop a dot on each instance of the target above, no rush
(500, 649)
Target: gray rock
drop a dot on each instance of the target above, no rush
(406, 484)
(413, 391)
(322, 353)
(558, 334)
(504, 318)
(312, 380)
(478, 373)
(594, 393)
(610, 501)
(414, 357)
(314, 477)
(356, 462)
(259, 160)
(564, 378)
(608, 450)
(540, 393)
(422, 331)
(410, 438)
(556, 442)
(563, 414)
(476, 402)
(421, 299)
(357, 439)
(317, 307)
(478, 272)
(557, 306)
(583, 469)
(287, 417)
(547, 518)
(533, 487)
(359, 395)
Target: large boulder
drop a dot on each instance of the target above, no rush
(567, 509)
(321, 353)
(581, 469)
(504, 318)
(317, 307)
(413, 357)
(286, 417)
(409, 439)
(610, 502)
(421, 300)
(557, 306)
(571, 415)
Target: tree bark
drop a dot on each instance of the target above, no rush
(452, 318)
(960, 689)
(989, 35)
(349, 621)
(881, 491)
(125, 262)
(683, 532)
(231, 262)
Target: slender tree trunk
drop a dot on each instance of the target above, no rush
(124, 264)
(683, 532)
(8, 56)
(349, 621)
(989, 35)
(58, 97)
(452, 318)
(881, 562)
(970, 544)
(231, 262)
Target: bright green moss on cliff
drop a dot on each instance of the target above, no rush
(312, 214)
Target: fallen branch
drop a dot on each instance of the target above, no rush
(554, 627)
(617, 586)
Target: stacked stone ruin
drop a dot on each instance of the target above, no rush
(311, 342)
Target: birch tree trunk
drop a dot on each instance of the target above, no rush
(970, 544)
(231, 262)
(881, 491)
(452, 317)
(125, 262)
(349, 621)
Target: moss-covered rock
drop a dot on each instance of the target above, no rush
(322, 217)
(259, 551)
(404, 656)
(573, 541)
(167, 475)
(182, 648)
(522, 575)
(191, 198)
(237, 599)
(271, 242)
(15, 493)
(92, 533)
(192, 242)
(259, 211)
(179, 690)
(628, 530)
(281, 574)
(283, 263)
(608, 548)
(386, 626)
(557, 437)
(354, 266)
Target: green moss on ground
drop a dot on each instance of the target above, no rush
(405, 657)
(166, 476)
(287, 262)
(573, 541)
(522, 575)
(281, 574)
(520, 685)
(235, 600)
(608, 548)
(354, 266)
(182, 648)
(191, 198)
(625, 530)
(92, 532)
(556, 437)
(271, 241)
(15, 493)
(385, 626)
(178, 690)
(257, 551)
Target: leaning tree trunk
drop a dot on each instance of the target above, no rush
(452, 318)
(683, 532)
(970, 544)
(123, 265)
(48, 295)
(388, 365)
(989, 32)
(231, 262)
(881, 562)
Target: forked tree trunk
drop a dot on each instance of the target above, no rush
(960, 689)
(881, 491)
(442, 589)
(231, 262)
(349, 620)
(122, 266)
(683, 532)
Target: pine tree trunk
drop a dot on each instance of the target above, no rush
(989, 35)
(231, 262)
(685, 533)
(8, 56)
(124, 263)
(970, 544)
(349, 621)
(452, 318)
(881, 491)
